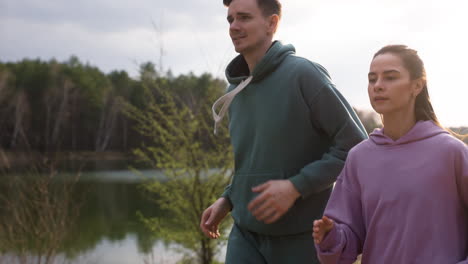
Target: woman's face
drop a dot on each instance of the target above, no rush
(391, 90)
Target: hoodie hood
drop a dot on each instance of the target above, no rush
(421, 130)
(238, 70)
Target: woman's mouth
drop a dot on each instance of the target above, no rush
(380, 99)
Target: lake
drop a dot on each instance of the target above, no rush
(108, 229)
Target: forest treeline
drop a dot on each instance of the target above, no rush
(48, 106)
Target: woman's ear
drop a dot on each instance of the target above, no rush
(418, 86)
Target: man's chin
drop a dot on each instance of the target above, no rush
(238, 49)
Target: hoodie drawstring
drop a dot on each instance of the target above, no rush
(226, 101)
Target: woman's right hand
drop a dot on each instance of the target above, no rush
(321, 228)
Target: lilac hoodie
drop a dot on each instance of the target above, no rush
(403, 201)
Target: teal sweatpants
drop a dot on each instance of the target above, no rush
(245, 247)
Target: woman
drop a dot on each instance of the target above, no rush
(402, 196)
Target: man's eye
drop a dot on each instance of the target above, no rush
(372, 80)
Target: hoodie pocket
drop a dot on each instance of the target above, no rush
(242, 183)
(242, 194)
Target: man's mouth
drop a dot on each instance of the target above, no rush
(237, 38)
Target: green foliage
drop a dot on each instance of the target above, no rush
(197, 164)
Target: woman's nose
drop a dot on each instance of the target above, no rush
(378, 86)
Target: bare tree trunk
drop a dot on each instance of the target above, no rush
(61, 113)
(125, 133)
(207, 252)
(47, 127)
(74, 120)
(21, 109)
(101, 127)
(106, 125)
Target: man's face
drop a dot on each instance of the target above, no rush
(249, 28)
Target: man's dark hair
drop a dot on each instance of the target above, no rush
(268, 7)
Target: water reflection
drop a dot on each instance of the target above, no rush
(109, 213)
(108, 229)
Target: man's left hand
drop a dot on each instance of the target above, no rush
(274, 200)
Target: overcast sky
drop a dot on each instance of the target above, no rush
(342, 35)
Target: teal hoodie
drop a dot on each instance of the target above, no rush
(290, 122)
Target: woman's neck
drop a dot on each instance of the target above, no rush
(396, 126)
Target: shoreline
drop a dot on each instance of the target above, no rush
(24, 159)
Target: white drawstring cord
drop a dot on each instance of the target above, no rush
(226, 101)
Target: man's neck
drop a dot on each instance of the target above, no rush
(252, 58)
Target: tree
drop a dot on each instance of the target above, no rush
(197, 164)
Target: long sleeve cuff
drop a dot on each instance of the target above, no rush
(331, 242)
(226, 195)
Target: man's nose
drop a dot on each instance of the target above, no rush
(234, 26)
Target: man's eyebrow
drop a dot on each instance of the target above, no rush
(238, 14)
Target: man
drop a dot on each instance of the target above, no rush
(291, 131)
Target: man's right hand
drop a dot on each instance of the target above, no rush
(213, 215)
